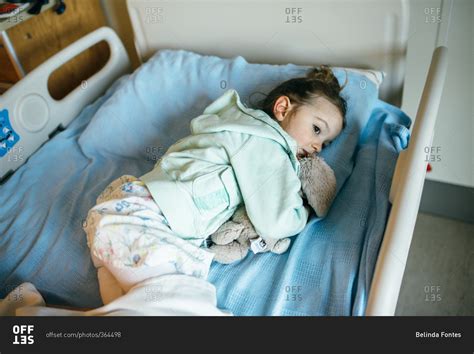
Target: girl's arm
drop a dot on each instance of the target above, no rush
(270, 189)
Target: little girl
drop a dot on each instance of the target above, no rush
(153, 227)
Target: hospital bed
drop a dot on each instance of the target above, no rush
(365, 34)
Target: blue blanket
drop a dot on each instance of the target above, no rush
(329, 266)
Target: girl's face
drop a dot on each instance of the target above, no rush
(312, 126)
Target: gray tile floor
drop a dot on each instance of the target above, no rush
(439, 276)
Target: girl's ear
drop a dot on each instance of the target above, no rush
(281, 108)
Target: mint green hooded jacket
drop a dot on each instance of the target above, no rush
(234, 155)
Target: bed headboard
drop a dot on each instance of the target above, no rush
(363, 34)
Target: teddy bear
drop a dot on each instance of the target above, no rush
(232, 241)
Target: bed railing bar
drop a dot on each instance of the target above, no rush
(32, 111)
(406, 192)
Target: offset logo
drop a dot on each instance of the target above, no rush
(294, 14)
(23, 334)
(154, 15)
(8, 137)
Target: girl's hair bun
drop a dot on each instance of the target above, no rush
(324, 74)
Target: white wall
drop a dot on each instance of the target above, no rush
(453, 140)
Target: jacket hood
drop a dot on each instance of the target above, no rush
(229, 113)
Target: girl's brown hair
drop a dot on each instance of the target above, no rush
(319, 82)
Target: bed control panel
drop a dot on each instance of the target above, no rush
(8, 136)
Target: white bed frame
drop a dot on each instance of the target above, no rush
(370, 34)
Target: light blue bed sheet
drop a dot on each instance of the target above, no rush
(327, 270)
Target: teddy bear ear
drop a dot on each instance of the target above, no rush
(318, 182)
(228, 232)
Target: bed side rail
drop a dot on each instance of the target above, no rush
(28, 113)
(405, 195)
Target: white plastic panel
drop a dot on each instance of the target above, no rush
(369, 34)
(452, 160)
(28, 113)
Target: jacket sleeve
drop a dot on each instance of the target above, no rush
(270, 188)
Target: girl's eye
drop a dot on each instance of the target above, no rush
(316, 129)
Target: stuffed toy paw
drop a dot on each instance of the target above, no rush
(230, 242)
(233, 239)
